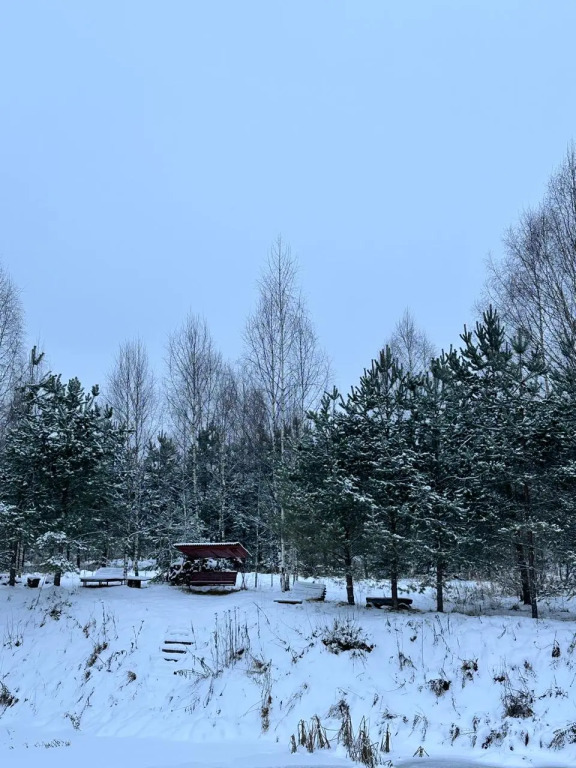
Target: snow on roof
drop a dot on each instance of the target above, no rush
(206, 543)
(202, 549)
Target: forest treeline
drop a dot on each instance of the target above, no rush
(433, 465)
(89, 476)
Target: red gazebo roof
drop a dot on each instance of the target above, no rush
(226, 549)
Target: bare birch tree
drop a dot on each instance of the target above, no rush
(310, 368)
(410, 346)
(12, 362)
(256, 441)
(132, 393)
(192, 382)
(13, 371)
(283, 360)
(226, 421)
(517, 285)
(533, 285)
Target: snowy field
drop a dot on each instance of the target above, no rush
(162, 678)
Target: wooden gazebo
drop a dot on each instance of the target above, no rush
(209, 564)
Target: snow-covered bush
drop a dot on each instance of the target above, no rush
(439, 686)
(6, 698)
(564, 736)
(51, 546)
(57, 564)
(345, 635)
(518, 704)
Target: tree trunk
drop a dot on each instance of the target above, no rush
(257, 553)
(349, 577)
(524, 576)
(13, 565)
(393, 566)
(284, 575)
(58, 574)
(222, 494)
(532, 575)
(136, 552)
(195, 481)
(394, 586)
(439, 585)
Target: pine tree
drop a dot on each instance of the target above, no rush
(442, 531)
(504, 406)
(57, 463)
(384, 461)
(326, 512)
(162, 519)
(557, 441)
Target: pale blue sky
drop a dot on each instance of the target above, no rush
(150, 152)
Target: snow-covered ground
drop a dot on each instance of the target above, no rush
(87, 678)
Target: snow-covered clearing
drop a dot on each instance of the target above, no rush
(84, 679)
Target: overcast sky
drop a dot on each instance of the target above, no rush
(152, 150)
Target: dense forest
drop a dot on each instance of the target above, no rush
(433, 466)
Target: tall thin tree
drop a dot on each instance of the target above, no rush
(192, 385)
(283, 360)
(131, 392)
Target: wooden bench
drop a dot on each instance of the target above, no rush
(380, 602)
(303, 590)
(211, 579)
(137, 582)
(104, 577)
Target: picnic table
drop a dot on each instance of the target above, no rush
(380, 602)
(104, 577)
(303, 590)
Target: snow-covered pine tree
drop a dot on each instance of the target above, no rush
(325, 511)
(558, 448)
(384, 461)
(441, 532)
(18, 517)
(57, 461)
(504, 407)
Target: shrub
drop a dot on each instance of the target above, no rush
(439, 686)
(495, 738)
(6, 698)
(564, 736)
(518, 704)
(93, 658)
(345, 636)
(312, 735)
(468, 668)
